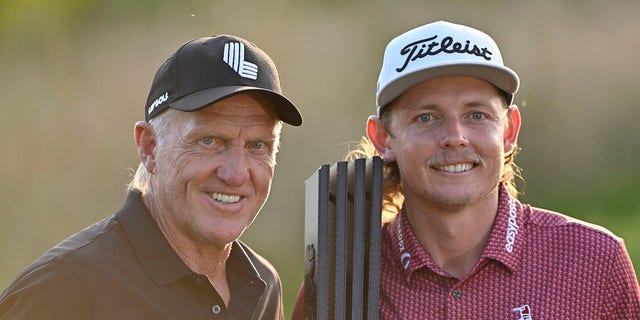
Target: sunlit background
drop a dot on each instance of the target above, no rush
(74, 76)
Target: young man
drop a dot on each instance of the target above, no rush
(207, 157)
(461, 246)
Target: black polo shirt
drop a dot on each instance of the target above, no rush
(123, 268)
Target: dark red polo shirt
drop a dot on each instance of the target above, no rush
(537, 265)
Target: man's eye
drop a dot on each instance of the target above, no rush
(477, 116)
(258, 145)
(425, 117)
(207, 141)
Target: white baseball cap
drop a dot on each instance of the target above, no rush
(438, 49)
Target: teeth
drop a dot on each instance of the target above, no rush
(460, 167)
(226, 198)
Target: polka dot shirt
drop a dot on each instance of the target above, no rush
(537, 264)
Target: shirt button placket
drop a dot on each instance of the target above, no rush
(456, 306)
(216, 309)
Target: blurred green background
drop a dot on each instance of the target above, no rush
(74, 76)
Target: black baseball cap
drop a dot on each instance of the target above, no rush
(206, 70)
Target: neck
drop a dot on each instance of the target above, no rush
(455, 239)
(201, 257)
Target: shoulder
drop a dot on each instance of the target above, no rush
(544, 218)
(48, 288)
(566, 229)
(56, 280)
(81, 247)
(587, 253)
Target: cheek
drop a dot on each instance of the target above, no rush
(494, 151)
(489, 137)
(166, 163)
(260, 167)
(414, 146)
(181, 166)
(262, 172)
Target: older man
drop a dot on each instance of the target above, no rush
(207, 156)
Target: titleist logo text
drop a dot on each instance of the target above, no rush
(429, 47)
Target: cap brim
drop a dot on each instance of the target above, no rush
(285, 109)
(503, 78)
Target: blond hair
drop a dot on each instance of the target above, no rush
(141, 179)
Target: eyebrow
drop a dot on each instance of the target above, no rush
(435, 106)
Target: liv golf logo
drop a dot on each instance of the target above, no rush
(234, 57)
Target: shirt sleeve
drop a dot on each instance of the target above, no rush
(622, 294)
(50, 291)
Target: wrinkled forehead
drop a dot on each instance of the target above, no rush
(224, 119)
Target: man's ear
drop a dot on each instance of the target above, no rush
(379, 137)
(513, 128)
(146, 142)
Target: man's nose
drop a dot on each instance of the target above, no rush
(234, 169)
(454, 134)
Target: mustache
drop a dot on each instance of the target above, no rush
(448, 157)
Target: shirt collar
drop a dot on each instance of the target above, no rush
(507, 238)
(155, 254)
(408, 250)
(505, 245)
(240, 263)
